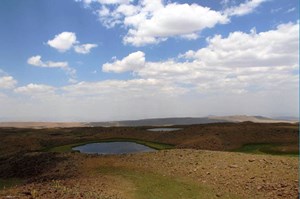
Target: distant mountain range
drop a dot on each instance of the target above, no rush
(190, 120)
(289, 118)
(152, 122)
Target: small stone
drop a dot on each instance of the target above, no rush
(251, 160)
(283, 185)
(259, 187)
(233, 166)
(207, 173)
(218, 195)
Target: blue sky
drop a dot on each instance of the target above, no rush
(92, 60)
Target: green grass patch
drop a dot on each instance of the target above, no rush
(68, 148)
(151, 185)
(10, 182)
(271, 149)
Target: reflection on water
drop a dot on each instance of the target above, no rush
(113, 148)
(164, 129)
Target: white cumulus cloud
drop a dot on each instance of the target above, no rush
(84, 48)
(63, 41)
(277, 47)
(37, 61)
(132, 62)
(170, 20)
(7, 82)
(244, 8)
(68, 40)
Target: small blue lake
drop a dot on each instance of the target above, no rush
(113, 148)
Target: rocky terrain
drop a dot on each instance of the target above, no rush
(222, 174)
(200, 165)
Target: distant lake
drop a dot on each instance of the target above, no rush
(113, 148)
(164, 129)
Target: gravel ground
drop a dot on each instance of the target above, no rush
(245, 175)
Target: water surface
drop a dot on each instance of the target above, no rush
(113, 148)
